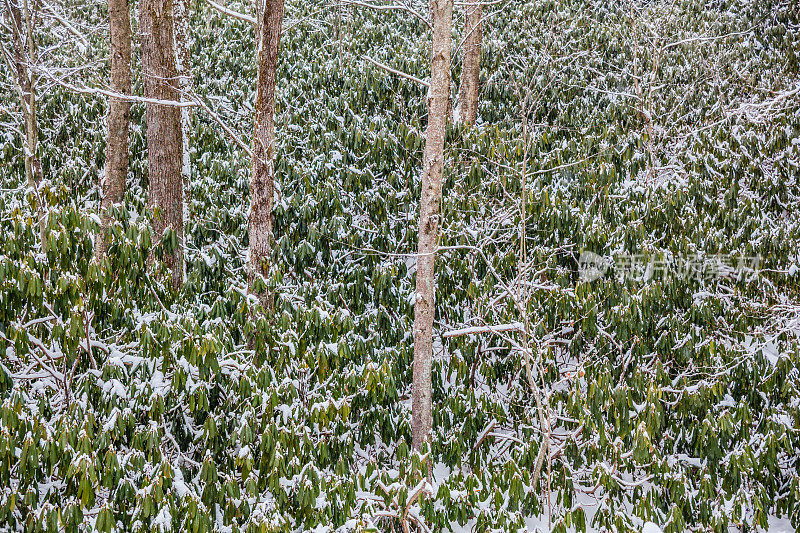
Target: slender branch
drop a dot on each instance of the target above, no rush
(232, 13)
(516, 326)
(120, 96)
(703, 39)
(391, 7)
(397, 72)
(243, 145)
(67, 24)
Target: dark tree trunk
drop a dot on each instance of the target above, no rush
(116, 170)
(471, 66)
(24, 50)
(430, 202)
(262, 181)
(164, 142)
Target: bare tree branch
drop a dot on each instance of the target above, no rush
(391, 7)
(397, 72)
(232, 13)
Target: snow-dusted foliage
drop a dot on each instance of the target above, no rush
(659, 393)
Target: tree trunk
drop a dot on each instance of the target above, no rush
(471, 66)
(430, 201)
(116, 171)
(164, 147)
(183, 64)
(24, 55)
(262, 180)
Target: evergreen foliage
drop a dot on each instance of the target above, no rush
(128, 406)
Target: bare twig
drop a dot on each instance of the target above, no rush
(392, 7)
(230, 12)
(397, 72)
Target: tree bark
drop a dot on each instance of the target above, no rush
(183, 64)
(471, 66)
(24, 55)
(118, 118)
(164, 146)
(430, 201)
(262, 180)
